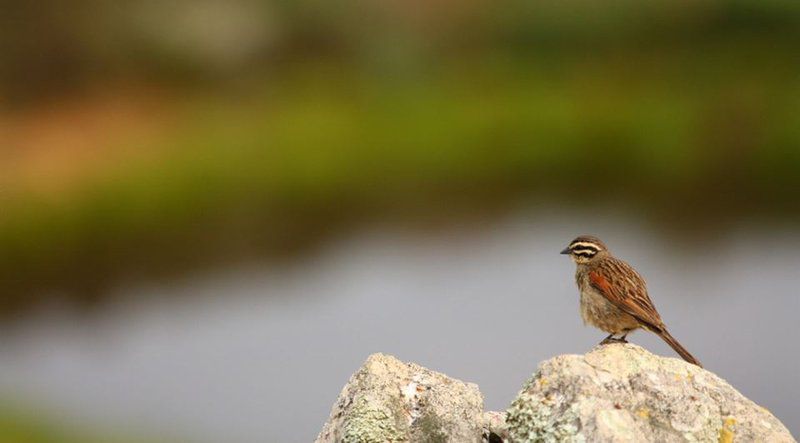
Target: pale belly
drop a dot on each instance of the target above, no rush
(597, 311)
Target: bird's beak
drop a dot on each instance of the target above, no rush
(566, 250)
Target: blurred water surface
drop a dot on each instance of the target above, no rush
(261, 353)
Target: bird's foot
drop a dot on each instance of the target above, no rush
(609, 340)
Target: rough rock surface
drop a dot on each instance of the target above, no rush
(622, 393)
(389, 401)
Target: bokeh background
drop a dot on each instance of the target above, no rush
(212, 211)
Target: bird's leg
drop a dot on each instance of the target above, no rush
(625, 333)
(612, 339)
(609, 339)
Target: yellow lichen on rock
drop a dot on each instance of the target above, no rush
(727, 432)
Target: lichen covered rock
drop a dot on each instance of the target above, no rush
(622, 393)
(391, 401)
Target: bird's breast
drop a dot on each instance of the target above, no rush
(598, 311)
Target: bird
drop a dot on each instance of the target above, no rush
(614, 296)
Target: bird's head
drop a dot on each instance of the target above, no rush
(585, 248)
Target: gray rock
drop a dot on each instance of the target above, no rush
(622, 393)
(391, 401)
(494, 427)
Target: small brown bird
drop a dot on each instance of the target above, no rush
(614, 296)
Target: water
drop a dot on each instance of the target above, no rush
(260, 353)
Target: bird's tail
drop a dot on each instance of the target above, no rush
(678, 348)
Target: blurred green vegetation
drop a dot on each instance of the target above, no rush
(24, 426)
(341, 112)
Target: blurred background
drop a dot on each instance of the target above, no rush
(212, 211)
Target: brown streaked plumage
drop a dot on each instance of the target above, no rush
(614, 296)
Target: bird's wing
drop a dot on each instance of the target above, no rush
(626, 289)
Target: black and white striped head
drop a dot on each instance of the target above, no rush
(585, 248)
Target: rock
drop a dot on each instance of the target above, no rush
(622, 393)
(494, 427)
(615, 393)
(389, 401)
